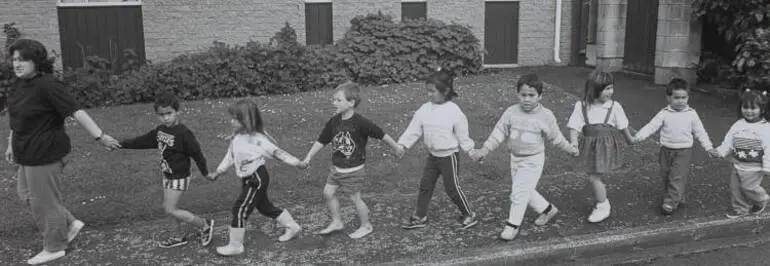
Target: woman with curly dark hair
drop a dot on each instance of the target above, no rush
(38, 103)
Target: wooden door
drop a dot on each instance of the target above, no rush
(501, 32)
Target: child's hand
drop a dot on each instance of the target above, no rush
(303, 164)
(400, 151)
(477, 154)
(713, 153)
(212, 176)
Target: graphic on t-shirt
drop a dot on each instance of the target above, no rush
(165, 140)
(343, 143)
(523, 131)
(748, 150)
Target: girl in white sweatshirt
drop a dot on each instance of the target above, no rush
(748, 145)
(249, 148)
(445, 130)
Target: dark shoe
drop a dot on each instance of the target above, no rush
(207, 233)
(415, 222)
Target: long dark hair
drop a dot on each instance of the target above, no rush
(595, 84)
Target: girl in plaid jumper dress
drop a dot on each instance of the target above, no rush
(602, 124)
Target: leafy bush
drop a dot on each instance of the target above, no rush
(744, 23)
(375, 50)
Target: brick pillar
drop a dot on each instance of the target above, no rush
(611, 34)
(678, 42)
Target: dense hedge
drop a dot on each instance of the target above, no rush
(376, 50)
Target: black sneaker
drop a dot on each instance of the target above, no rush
(173, 242)
(667, 209)
(469, 221)
(757, 209)
(415, 222)
(207, 233)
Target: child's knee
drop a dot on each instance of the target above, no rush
(329, 192)
(356, 197)
(170, 209)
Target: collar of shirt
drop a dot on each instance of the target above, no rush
(671, 109)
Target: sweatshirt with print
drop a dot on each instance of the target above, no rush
(176, 144)
(444, 128)
(247, 152)
(523, 132)
(748, 145)
(677, 129)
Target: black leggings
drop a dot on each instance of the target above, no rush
(254, 194)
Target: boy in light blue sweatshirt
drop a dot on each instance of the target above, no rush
(523, 128)
(678, 124)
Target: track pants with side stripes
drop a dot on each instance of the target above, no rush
(253, 195)
(447, 167)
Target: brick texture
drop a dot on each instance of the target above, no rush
(173, 27)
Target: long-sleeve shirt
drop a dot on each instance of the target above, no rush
(677, 129)
(444, 129)
(749, 144)
(247, 152)
(522, 132)
(177, 145)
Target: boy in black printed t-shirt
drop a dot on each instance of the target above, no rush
(347, 132)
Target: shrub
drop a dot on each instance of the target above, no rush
(375, 50)
(744, 23)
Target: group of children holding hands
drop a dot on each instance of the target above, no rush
(599, 129)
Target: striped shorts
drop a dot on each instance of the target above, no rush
(176, 184)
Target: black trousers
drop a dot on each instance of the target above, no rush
(254, 195)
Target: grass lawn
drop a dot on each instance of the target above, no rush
(115, 189)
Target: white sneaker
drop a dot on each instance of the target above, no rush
(544, 218)
(230, 250)
(45, 256)
(600, 212)
(509, 232)
(75, 228)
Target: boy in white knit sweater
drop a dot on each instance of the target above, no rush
(678, 125)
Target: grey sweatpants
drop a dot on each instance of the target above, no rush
(38, 186)
(674, 170)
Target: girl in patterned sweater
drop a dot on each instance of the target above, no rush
(748, 145)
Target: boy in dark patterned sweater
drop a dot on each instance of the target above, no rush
(177, 145)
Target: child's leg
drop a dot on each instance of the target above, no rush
(170, 201)
(678, 175)
(665, 160)
(525, 173)
(738, 200)
(334, 210)
(266, 207)
(428, 182)
(244, 205)
(751, 185)
(600, 191)
(363, 214)
(449, 168)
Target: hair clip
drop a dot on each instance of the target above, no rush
(764, 93)
(747, 90)
(438, 69)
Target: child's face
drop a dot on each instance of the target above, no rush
(22, 68)
(751, 114)
(606, 94)
(167, 115)
(678, 99)
(529, 98)
(341, 104)
(435, 95)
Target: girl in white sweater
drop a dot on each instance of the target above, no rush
(445, 130)
(248, 150)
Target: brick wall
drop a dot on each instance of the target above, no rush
(36, 19)
(172, 27)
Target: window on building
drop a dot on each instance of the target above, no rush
(99, 2)
(414, 10)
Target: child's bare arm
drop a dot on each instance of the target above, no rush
(573, 137)
(317, 146)
(627, 133)
(286, 157)
(391, 142)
